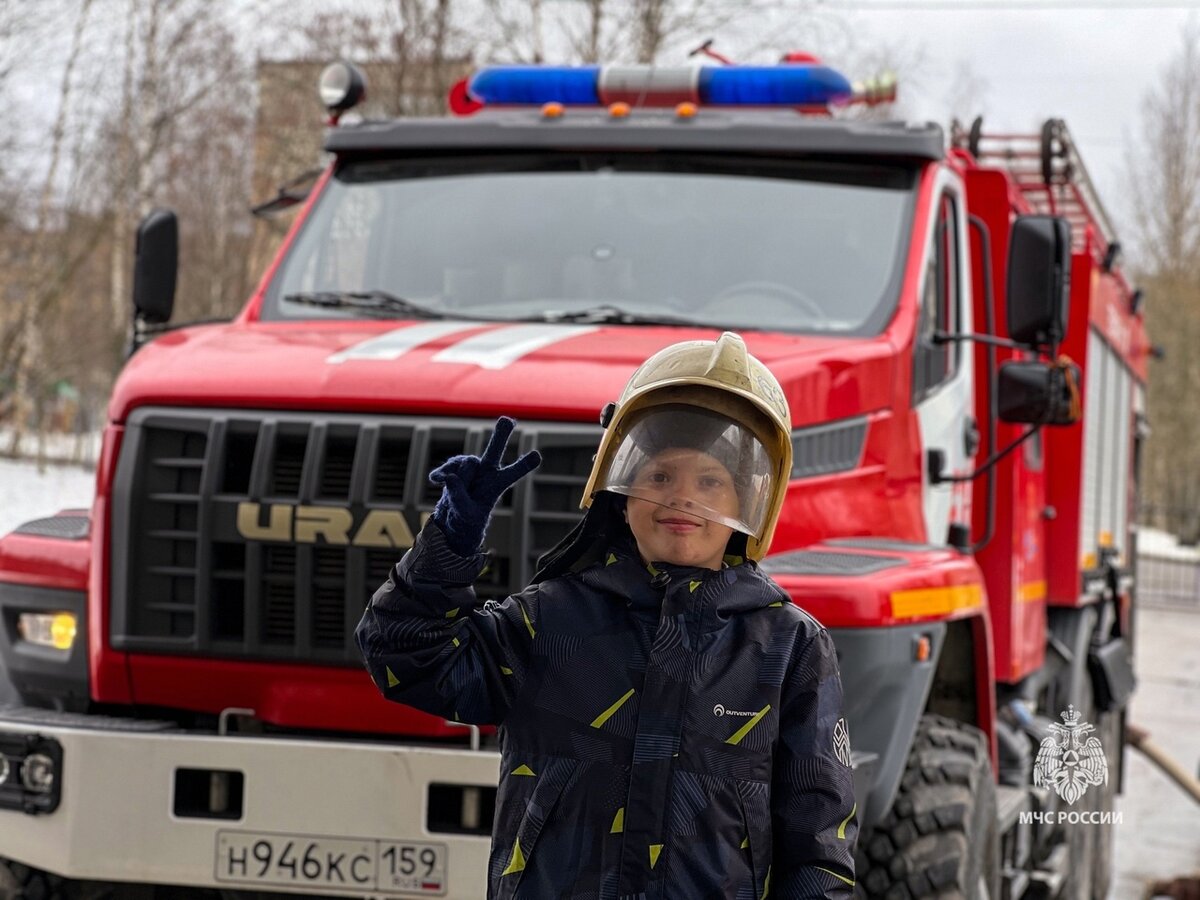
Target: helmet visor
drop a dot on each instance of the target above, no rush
(698, 462)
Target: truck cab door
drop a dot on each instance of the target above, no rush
(943, 388)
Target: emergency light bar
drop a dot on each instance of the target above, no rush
(782, 85)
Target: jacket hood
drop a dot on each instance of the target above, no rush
(737, 588)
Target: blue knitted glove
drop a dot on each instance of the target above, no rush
(471, 485)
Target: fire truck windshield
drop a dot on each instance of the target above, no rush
(720, 241)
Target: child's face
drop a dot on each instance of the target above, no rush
(664, 531)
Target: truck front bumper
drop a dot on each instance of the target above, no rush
(144, 802)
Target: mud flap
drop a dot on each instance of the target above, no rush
(1113, 679)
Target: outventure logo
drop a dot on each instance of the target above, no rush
(720, 710)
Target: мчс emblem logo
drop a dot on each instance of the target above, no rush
(1069, 763)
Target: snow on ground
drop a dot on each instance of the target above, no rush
(1162, 545)
(26, 493)
(82, 449)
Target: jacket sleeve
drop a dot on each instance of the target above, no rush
(813, 811)
(428, 642)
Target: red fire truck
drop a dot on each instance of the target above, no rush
(965, 365)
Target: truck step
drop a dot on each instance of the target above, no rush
(1010, 803)
(1048, 880)
(1016, 882)
(32, 716)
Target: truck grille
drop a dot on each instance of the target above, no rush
(262, 535)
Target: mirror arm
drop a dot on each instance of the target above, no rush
(945, 337)
(939, 478)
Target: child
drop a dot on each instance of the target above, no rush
(670, 723)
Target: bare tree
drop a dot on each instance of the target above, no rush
(181, 66)
(967, 93)
(174, 132)
(22, 347)
(1163, 171)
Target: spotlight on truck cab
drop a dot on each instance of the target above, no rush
(342, 86)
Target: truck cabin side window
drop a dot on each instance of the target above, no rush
(936, 363)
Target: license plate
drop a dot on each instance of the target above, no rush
(322, 863)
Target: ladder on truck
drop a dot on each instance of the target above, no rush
(1049, 172)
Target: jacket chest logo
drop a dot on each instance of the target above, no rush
(720, 710)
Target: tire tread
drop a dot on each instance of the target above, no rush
(917, 851)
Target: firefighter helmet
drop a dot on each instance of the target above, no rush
(715, 397)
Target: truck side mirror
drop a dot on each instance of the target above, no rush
(1039, 279)
(1037, 393)
(155, 265)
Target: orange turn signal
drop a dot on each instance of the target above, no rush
(922, 647)
(619, 110)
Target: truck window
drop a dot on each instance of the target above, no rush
(805, 247)
(935, 363)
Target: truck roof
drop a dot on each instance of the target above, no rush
(711, 129)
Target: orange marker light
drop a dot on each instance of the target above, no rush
(619, 110)
(686, 110)
(922, 648)
(552, 110)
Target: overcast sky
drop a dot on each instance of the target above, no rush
(1090, 64)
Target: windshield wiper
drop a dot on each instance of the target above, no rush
(607, 314)
(382, 302)
(373, 302)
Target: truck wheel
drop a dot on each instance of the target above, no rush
(939, 838)
(19, 882)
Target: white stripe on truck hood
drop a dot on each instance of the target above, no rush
(493, 349)
(504, 346)
(394, 344)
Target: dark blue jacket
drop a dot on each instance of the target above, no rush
(665, 732)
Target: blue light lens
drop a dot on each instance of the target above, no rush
(535, 85)
(783, 85)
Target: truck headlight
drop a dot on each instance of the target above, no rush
(55, 630)
(31, 773)
(37, 773)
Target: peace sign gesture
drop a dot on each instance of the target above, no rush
(471, 485)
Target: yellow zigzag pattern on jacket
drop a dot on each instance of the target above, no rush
(608, 713)
(517, 863)
(737, 736)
